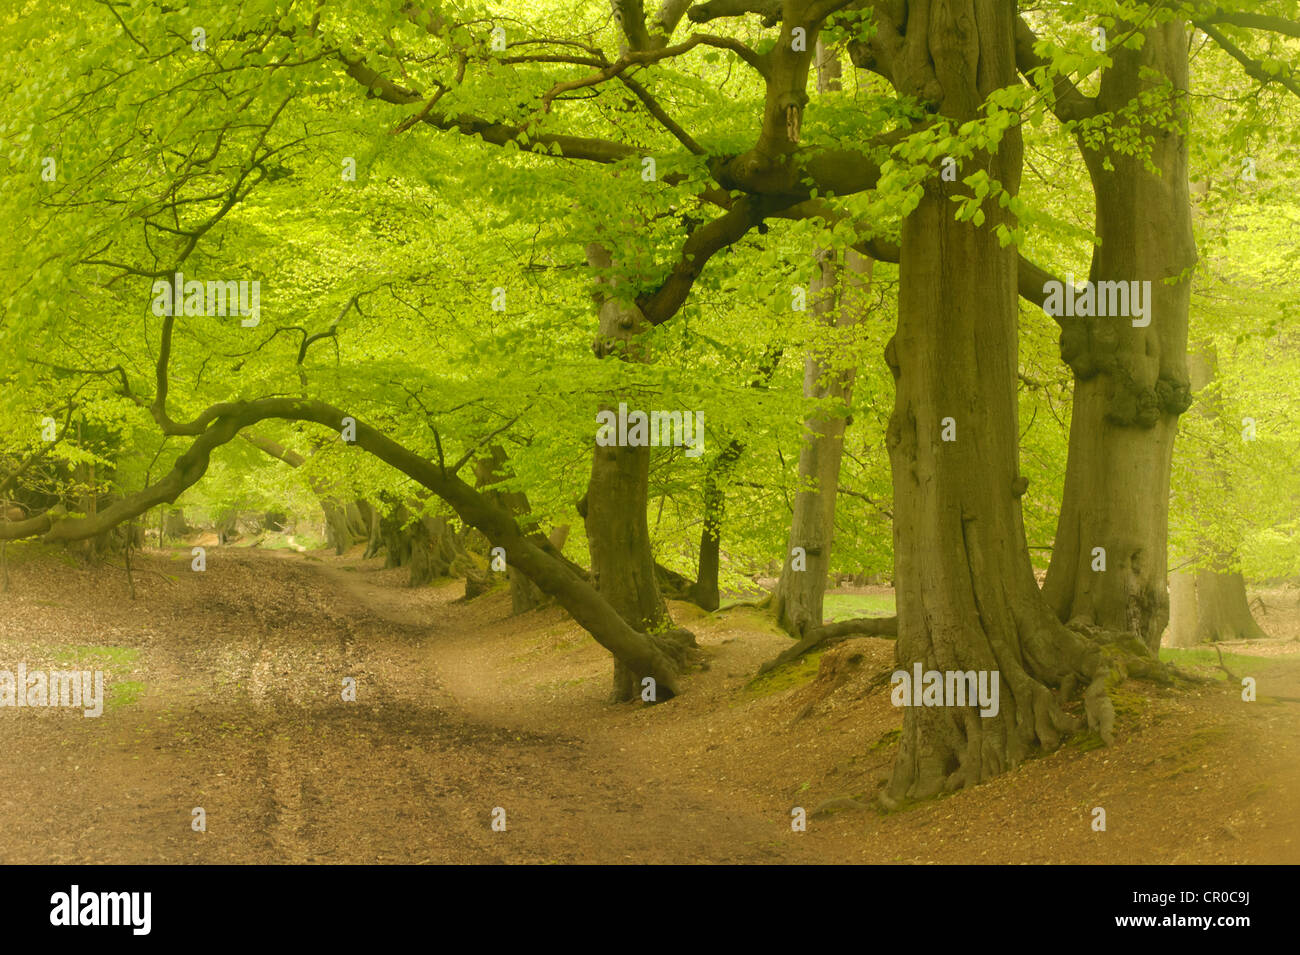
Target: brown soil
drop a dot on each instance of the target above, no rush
(231, 702)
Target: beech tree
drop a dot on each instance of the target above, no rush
(477, 229)
(1131, 387)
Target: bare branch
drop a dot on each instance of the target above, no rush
(659, 113)
(664, 302)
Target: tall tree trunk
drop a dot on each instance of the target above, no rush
(174, 525)
(967, 598)
(801, 590)
(336, 523)
(838, 296)
(618, 532)
(1223, 608)
(1130, 382)
(1208, 606)
(433, 549)
(374, 537)
(1184, 620)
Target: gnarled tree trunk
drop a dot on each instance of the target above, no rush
(1130, 381)
(524, 594)
(967, 598)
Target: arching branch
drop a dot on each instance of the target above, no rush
(658, 657)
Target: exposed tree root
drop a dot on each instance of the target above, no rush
(1056, 666)
(1224, 667)
(1236, 679)
(831, 633)
(763, 603)
(673, 584)
(673, 652)
(838, 804)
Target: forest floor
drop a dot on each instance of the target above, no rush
(224, 692)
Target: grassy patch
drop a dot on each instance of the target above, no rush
(118, 659)
(1128, 703)
(1203, 736)
(686, 612)
(123, 693)
(753, 620)
(114, 657)
(785, 677)
(848, 606)
(1205, 658)
(1086, 741)
(1187, 755)
(887, 739)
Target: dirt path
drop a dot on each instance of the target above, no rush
(225, 693)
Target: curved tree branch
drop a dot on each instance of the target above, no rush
(642, 652)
